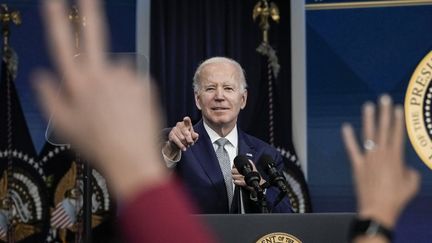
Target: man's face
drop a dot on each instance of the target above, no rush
(220, 97)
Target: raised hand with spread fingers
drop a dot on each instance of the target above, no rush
(383, 182)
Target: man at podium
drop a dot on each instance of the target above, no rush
(202, 155)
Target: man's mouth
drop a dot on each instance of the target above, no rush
(219, 108)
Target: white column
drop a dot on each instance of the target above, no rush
(298, 70)
(143, 28)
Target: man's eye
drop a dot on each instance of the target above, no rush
(229, 88)
(209, 89)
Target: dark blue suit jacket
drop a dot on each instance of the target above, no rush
(200, 171)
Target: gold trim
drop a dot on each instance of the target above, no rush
(414, 109)
(278, 237)
(368, 4)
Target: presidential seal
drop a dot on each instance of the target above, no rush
(418, 109)
(278, 237)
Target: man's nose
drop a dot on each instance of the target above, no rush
(220, 95)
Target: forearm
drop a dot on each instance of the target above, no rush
(130, 169)
(162, 214)
(370, 239)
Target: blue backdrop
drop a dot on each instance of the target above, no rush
(354, 55)
(29, 43)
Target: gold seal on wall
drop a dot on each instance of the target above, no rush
(278, 237)
(418, 110)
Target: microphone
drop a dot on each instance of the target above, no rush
(252, 178)
(276, 178)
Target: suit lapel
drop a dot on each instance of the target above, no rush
(245, 147)
(204, 152)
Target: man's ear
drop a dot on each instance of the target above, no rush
(244, 99)
(197, 101)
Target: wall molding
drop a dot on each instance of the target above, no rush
(366, 4)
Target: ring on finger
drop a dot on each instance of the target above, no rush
(369, 145)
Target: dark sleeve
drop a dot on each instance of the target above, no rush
(283, 206)
(162, 214)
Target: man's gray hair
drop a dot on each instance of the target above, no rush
(240, 72)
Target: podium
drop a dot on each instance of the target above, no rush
(275, 228)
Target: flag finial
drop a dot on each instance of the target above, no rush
(6, 17)
(265, 10)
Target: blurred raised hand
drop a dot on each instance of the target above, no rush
(384, 184)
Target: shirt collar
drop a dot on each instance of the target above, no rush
(232, 136)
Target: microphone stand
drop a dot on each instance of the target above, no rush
(262, 201)
(239, 193)
(86, 212)
(87, 203)
(261, 198)
(78, 22)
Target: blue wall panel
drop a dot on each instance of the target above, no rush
(29, 43)
(353, 55)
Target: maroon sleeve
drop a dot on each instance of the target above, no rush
(162, 214)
